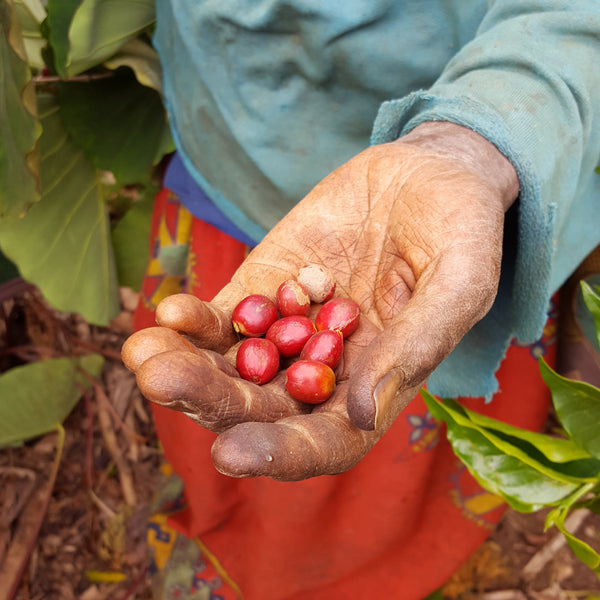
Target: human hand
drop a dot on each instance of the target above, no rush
(412, 231)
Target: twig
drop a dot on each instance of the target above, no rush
(112, 445)
(103, 398)
(539, 560)
(84, 77)
(135, 584)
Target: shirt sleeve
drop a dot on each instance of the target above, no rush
(529, 82)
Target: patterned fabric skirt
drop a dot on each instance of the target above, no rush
(397, 525)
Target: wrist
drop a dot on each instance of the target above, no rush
(476, 153)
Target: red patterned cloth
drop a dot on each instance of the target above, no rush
(397, 525)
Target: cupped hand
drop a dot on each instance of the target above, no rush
(412, 231)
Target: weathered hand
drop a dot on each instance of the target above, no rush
(412, 231)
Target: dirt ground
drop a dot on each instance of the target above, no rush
(84, 537)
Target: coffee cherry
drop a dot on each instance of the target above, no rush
(290, 334)
(292, 299)
(324, 346)
(340, 314)
(318, 281)
(310, 381)
(254, 315)
(257, 360)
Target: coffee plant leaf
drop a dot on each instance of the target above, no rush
(591, 297)
(577, 406)
(63, 244)
(36, 398)
(84, 33)
(120, 124)
(523, 486)
(19, 127)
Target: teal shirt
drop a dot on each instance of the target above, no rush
(267, 97)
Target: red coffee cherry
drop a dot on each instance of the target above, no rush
(254, 315)
(339, 313)
(310, 381)
(290, 334)
(257, 360)
(324, 346)
(292, 299)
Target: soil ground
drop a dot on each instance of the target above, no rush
(86, 533)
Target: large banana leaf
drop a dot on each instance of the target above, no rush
(63, 244)
(19, 128)
(30, 14)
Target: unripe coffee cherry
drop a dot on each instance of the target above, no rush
(310, 381)
(257, 360)
(324, 346)
(292, 299)
(318, 281)
(254, 315)
(340, 314)
(290, 334)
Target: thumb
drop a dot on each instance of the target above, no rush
(449, 298)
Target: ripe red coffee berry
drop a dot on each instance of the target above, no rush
(318, 281)
(342, 314)
(254, 315)
(257, 360)
(292, 299)
(290, 334)
(324, 346)
(310, 381)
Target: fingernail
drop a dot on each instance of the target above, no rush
(385, 391)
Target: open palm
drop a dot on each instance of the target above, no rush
(413, 235)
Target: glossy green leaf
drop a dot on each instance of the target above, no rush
(584, 552)
(84, 33)
(63, 244)
(523, 486)
(577, 406)
(30, 14)
(518, 446)
(130, 242)
(558, 450)
(142, 59)
(120, 124)
(19, 127)
(592, 301)
(37, 397)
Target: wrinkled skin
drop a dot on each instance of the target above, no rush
(412, 231)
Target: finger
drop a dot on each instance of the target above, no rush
(208, 389)
(295, 448)
(449, 298)
(143, 344)
(206, 324)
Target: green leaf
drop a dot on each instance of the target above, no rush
(31, 13)
(523, 486)
(63, 244)
(19, 127)
(84, 33)
(120, 124)
(142, 59)
(584, 552)
(60, 15)
(592, 301)
(577, 406)
(37, 397)
(130, 241)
